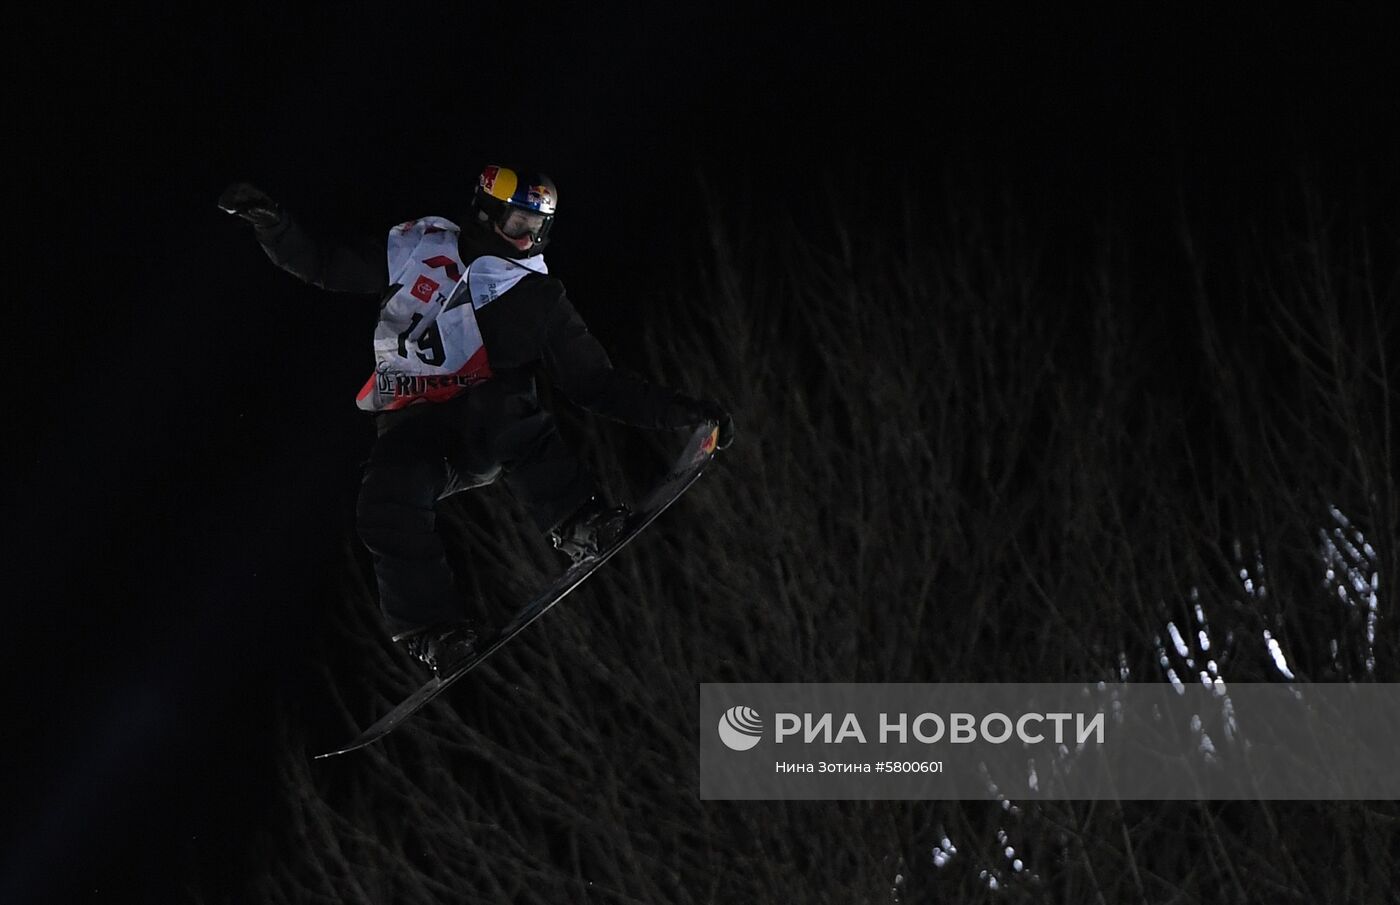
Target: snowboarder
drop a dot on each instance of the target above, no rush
(466, 315)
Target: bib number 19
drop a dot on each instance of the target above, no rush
(430, 350)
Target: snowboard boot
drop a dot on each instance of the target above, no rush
(592, 528)
(443, 647)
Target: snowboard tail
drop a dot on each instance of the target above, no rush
(698, 452)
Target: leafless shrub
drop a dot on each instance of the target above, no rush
(946, 472)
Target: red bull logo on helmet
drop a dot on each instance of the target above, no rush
(540, 198)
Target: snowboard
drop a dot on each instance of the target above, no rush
(699, 450)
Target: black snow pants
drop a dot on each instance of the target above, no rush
(428, 450)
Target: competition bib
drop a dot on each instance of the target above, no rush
(427, 347)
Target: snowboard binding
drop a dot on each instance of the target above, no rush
(443, 647)
(593, 528)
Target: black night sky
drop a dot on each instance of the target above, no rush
(188, 464)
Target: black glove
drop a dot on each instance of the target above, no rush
(707, 410)
(252, 204)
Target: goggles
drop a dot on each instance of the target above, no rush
(519, 223)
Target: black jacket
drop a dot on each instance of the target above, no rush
(533, 324)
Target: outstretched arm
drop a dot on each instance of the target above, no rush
(357, 265)
(582, 371)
